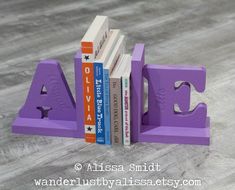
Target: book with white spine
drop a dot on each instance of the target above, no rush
(126, 103)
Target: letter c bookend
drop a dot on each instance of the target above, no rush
(161, 123)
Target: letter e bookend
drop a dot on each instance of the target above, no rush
(49, 108)
(162, 123)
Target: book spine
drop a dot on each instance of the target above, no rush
(88, 98)
(116, 112)
(90, 49)
(126, 110)
(99, 103)
(107, 107)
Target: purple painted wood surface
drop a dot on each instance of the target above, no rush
(161, 123)
(137, 64)
(57, 97)
(49, 108)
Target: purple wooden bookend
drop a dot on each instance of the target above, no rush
(161, 123)
(79, 93)
(49, 108)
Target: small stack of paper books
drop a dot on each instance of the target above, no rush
(106, 84)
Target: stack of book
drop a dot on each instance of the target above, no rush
(106, 70)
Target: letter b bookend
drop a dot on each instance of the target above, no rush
(50, 109)
(161, 123)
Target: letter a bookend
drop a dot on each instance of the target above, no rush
(161, 123)
(49, 108)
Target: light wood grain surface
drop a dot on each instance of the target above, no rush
(192, 32)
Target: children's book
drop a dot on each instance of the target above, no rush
(116, 99)
(126, 103)
(91, 44)
(99, 62)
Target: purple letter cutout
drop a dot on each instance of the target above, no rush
(50, 108)
(161, 123)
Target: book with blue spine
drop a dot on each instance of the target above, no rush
(116, 54)
(101, 60)
(106, 107)
(98, 88)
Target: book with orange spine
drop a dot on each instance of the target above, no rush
(90, 46)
